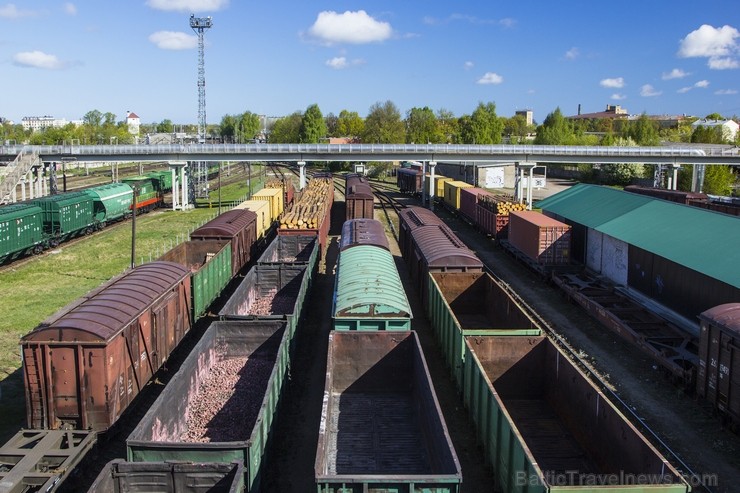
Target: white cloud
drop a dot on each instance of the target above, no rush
(38, 59)
(350, 27)
(725, 92)
(490, 78)
(676, 73)
(174, 40)
(719, 45)
(10, 11)
(70, 8)
(649, 91)
(618, 97)
(506, 22)
(188, 5)
(340, 62)
(684, 90)
(468, 65)
(702, 84)
(572, 53)
(616, 83)
(718, 63)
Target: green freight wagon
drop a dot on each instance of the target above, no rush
(253, 354)
(472, 303)
(162, 180)
(165, 477)
(111, 202)
(21, 231)
(271, 292)
(368, 292)
(382, 429)
(66, 215)
(545, 428)
(210, 264)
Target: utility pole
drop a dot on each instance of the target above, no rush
(200, 173)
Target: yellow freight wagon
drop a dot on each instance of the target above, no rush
(452, 192)
(262, 209)
(439, 186)
(275, 197)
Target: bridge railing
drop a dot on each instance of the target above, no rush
(378, 149)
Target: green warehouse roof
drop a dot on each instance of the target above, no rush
(702, 240)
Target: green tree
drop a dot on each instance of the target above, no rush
(422, 127)
(643, 131)
(555, 130)
(708, 135)
(449, 126)
(313, 126)
(286, 130)
(248, 126)
(714, 116)
(93, 118)
(516, 128)
(350, 124)
(718, 180)
(228, 128)
(482, 127)
(383, 125)
(331, 124)
(165, 127)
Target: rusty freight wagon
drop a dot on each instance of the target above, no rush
(409, 180)
(718, 379)
(381, 425)
(358, 197)
(237, 226)
(537, 239)
(545, 427)
(85, 364)
(290, 250)
(410, 219)
(220, 405)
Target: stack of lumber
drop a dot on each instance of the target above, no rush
(501, 204)
(309, 211)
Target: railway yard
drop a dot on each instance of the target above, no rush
(301, 305)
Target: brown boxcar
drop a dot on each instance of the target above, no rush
(436, 248)
(358, 197)
(541, 238)
(363, 232)
(237, 226)
(410, 219)
(718, 379)
(409, 180)
(85, 364)
(670, 195)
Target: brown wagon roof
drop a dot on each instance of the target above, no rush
(226, 225)
(419, 216)
(727, 315)
(116, 304)
(440, 247)
(363, 232)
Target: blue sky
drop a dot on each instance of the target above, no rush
(64, 59)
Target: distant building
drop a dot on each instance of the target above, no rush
(134, 122)
(729, 127)
(613, 111)
(36, 123)
(527, 114)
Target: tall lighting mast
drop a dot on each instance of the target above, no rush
(200, 181)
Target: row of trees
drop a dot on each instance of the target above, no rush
(385, 124)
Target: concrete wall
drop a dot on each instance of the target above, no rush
(607, 256)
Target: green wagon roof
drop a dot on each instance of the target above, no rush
(368, 284)
(110, 190)
(702, 240)
(17, 211)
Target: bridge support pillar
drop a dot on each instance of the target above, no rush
(180, 195)
(302, 168)
(673, 181)
(432, 165)
(524, 170)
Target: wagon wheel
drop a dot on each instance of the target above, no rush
(38, 249)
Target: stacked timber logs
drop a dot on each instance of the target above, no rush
(274, 183)
(309, 211)
(500, 204)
